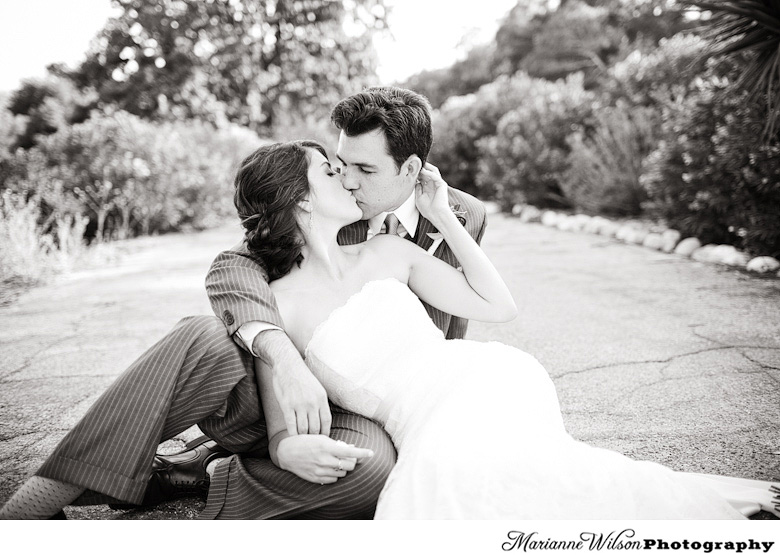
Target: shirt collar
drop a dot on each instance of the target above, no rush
(407, 214)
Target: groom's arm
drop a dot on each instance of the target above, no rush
(239, 294)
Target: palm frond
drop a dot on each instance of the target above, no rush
(752, 27)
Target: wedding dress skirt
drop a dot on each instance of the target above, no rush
(479, 431)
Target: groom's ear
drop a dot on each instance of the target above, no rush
(411, 167)
(305, 205)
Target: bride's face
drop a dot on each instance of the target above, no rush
(328, 198)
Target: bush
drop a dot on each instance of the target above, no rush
(711, 176)
(525, 161)
(462, 121)
(129, 176)
(662, 77)
(604, 169)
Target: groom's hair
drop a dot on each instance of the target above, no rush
(404, 117)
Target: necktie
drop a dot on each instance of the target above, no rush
(391, 224)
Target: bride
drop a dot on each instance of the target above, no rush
(477, 426)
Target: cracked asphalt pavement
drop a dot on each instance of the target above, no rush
(653, 355)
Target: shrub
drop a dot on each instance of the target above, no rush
(525, 160)
(712, 176)
(130, 176)
(604, 168)
(462, 121)
(661, 77)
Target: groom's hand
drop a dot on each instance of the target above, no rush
(302, 400)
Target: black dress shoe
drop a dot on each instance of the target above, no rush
(180, 475)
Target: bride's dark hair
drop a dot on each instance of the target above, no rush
(269, 184)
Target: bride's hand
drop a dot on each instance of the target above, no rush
(318, 458)
(431, 194)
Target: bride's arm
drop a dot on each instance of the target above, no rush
(478, 293)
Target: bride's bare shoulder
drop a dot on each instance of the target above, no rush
(385, 244)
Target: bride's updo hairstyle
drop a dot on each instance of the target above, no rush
(269, 185)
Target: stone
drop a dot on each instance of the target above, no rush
(623, 233)
(608, 229)
(729, 255)
(566, 223)
(517, 209)
(579, 221)
(763, 264)
(550, 218)
(670, 239)
(637, 236)
(653, 241)
(530, 214)
(492, 207)
(687, 246)
(704, 254)
(595, 223)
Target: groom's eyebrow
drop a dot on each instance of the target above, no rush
(359, 164)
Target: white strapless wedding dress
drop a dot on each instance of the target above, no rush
(479, 431)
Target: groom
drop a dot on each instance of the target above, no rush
(379, 129)
(199, 374)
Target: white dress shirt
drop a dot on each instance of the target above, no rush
(408, 218)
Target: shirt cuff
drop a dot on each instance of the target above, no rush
(245, 335)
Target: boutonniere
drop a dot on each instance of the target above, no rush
(460, 214)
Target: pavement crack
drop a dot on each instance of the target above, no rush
(650, 361)
(761, 364)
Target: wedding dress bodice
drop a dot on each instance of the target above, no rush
(381, 356)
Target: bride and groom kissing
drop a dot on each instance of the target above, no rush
(335, 392)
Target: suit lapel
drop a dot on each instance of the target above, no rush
(424, 227)
(353, 233)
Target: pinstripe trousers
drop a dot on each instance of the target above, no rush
(197, 375)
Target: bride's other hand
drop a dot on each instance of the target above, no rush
(318, 458)
(431, 194)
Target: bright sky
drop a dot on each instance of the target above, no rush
(427, 34)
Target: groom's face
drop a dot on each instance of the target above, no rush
(371, 174)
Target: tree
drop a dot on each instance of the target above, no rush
(47, 105)
(515, 35)
(463, 77)
(750, 27)
(245, 60)
(577, 37)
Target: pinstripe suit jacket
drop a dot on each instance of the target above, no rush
(238, 289)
